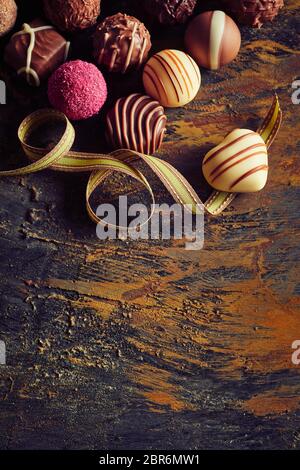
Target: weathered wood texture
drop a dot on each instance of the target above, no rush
(125, 345)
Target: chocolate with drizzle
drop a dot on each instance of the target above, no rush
(36, 51)
(121, 43)
(137, 123)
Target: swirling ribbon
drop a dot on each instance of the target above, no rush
(101, 166)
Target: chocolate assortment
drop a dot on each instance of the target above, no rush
(72, 15)
(213, 39)
(36, 51)
(137, 123)
(238, 164)
(170, 12)
(8, 16)
(172, 77)
(121, 43)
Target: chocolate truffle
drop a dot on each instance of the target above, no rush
(239, 164)
(138, 123)
(213, 39)
(72, 15)
(170, 11)
(121, 43)
(172, 77)
(253, 12)
(36, 51)
(77, 89)
(8, 16)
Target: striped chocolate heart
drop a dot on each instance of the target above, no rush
(239, 164)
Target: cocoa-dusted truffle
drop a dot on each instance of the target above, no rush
(212, 39)
(253, 12)
(72, 15)
(137, 123)
(36, 51)
(170, 11)
(121, 43)
(8, 16)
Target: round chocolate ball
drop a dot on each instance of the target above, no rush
(72, 15)
(213, 39)
(137, 123)
(8, 16)
(170, 11)
(172, 77)
(121, 43)
(77, 89)
(253, 12)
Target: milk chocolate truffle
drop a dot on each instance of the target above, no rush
(253, 12)
(72, 15)
(239, 164)
(121, 43)
(137, 123)
(170, 11)
(8, 16)
(172, 77)
(36, 51)
(213, 39)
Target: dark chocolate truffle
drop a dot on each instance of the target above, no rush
(36, 51)
(137, 123)
(253, 12)
(213, 39)
(121, 43)
(8, 16)
(170, 11)
(72, 15)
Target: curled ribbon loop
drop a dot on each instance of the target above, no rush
(101, 166)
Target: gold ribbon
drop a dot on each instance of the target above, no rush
(101, 166)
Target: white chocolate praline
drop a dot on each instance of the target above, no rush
(172, 77)
(239, 164)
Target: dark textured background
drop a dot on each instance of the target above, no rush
(145, 345)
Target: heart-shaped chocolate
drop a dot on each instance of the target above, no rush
(239, 164)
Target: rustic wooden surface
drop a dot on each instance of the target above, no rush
(125, 345)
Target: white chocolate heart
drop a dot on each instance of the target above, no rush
(239, 164)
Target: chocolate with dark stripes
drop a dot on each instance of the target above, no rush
(238, 164)
(137, 123)
(172, 77)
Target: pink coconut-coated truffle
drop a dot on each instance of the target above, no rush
(77, 89)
